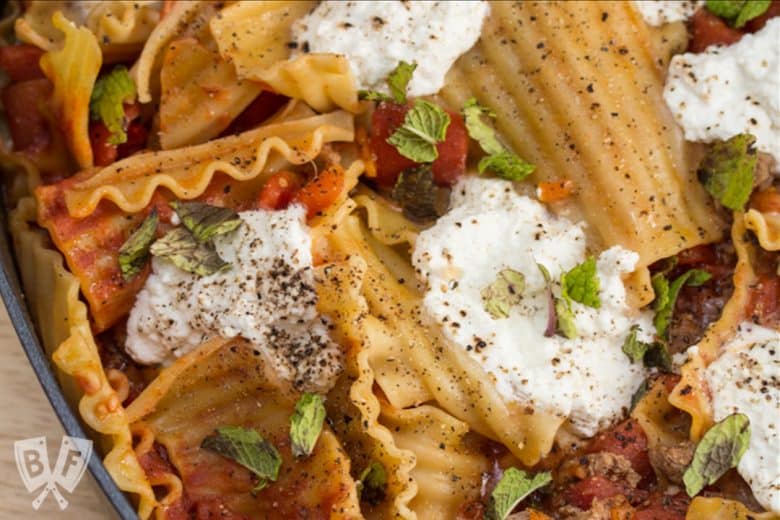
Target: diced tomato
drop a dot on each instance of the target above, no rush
(554, 191)
(702, 254)
(582, 493)
(664, 507)
(450, 164)
(137, 135)
(766, 201)
(103, 152)
(264, 106)
(279, 190)
(707, 29)
(627, 439)
(756, 24)
(21, 62)
(29, 128)
(321, 191)
(765, 298)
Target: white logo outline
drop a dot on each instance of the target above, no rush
(32, 462)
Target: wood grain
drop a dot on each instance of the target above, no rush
(25, 412)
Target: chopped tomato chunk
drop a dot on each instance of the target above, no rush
(29, 128)
(664, 507)
(766, 201)
(264, 106)
(701, 254)
(279, 190)
(103, 152)
(321, 191)
(554, 191)
(627, 439)
(582, 493)
(450, 164)
(708, 30)
(765, 299)
(21, 62)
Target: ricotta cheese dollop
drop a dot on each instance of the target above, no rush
(746, 379)
(659, 12)
(490, 227)
(375, 36)
(725, 91)
(266, 296)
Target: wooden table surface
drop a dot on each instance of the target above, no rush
(25, 412)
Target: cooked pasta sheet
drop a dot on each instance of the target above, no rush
(225, 382)
(766, 226)
(609, 133)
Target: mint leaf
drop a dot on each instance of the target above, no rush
(372, 485)
(135, 251)
(399, 79)
(634, 348)
(514, 486)
(188, 254)
(552, 317)
(666, 296)
(425, 125)
(503, 293)
(373, 95)
(719, 450)
(106, 104)
(506, 165)
(205, 221)
(478, 130)
(658, 355)
(582, 284)
(738, 12)
(728, 169)
(566, 325)
(248, 448)
(306, 424)
(417, 194)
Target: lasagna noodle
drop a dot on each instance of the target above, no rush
(52, 294)
(225, 382)
(608, 132)
(255, 37)
(766, 226)
(130, 183)
(73, 70)
(716, 508)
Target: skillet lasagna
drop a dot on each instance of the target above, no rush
(407, 259)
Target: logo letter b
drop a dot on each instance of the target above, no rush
(32, 461)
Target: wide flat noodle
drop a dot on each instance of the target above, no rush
(716, 508)
(130, 183)
(73, 70)
(609, 133)
(52, 295)
(766, 226)
(228, 383)
(255, 37)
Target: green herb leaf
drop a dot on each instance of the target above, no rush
(306, 424)
(135, 251)
(399, 79)
(666, 296)
(106, 104)
(425, 125)
(506, 165)
(186, 253)
(728, 169)
(373, 95)
(478, 130)
(417, 194)
(719, 450)
(514, 486)
(248, 448)
(373, 483)
(738, 12)
(639, 394)
(634, 348)
(582, 284)
(658, 355)
(565, 316)
(503, 293)
(205, 221)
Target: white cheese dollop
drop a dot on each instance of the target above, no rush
(375, 36)
(659, 12)
(725, 91)
(489, 228)
(266, 296)
(746, 379)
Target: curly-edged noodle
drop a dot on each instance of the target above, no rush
(73, 70)
(120, 26)
(255, 37)
(691, 394)
(766, 226)
(227, 383)
(580, 97)
(52, 294)
(200, 94)
(186, 172)
(717, 508)
(448, 470)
